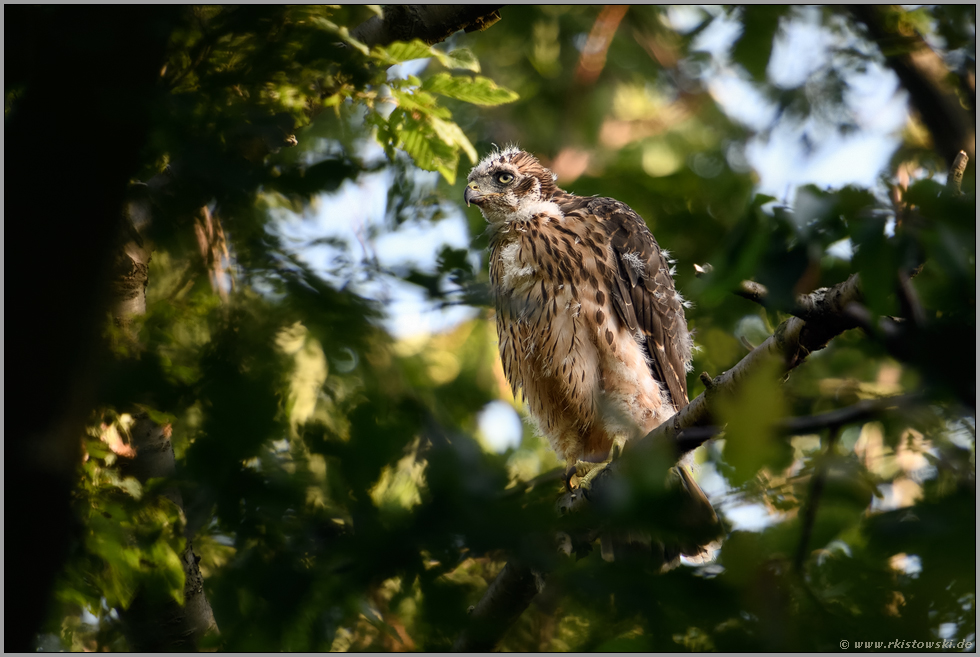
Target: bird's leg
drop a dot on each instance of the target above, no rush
(588, 470)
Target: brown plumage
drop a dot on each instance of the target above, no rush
(590, 327)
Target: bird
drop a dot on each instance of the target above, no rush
(591, 329)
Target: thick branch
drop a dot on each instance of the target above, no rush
(430, 23)
(924, 75)
(806, 307)
(791, 343)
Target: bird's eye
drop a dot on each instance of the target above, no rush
(505, 178)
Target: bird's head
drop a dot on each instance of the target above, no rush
(507, 183)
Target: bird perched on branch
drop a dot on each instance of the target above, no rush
(590, 326)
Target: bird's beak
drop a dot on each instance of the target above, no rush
(472, 194)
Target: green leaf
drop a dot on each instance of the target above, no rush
(401, 51)
(876, 259)
(460, 58)
(418, 138)
(478, 90)
(419, 101)
(453, 135)
(750, 414)
(341, 32)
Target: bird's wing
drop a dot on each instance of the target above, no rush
(643, 291)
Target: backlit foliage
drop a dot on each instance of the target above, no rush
(342, 493)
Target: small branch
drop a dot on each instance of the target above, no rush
(816, 489)
(430, 23)
(753, 291)
(908, 299)
(706, 380)
(805, 307)
(550, 477)
(691, 438)
(954, 180)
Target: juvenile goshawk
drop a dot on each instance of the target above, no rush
(589, 324)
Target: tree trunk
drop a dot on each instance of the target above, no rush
(80, 83)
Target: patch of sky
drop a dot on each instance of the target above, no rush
(350, 239)
(743, 515)
(501, 426)
(813, 150)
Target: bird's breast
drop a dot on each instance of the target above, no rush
(516, 272)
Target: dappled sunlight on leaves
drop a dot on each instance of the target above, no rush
(353, 479)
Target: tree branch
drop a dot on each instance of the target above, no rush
(923, 74)
(753, 291)
(430, 23)
(693, 437)
(505, 600)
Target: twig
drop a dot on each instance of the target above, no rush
(908, 299)
(816, 489)
(753, 291)
(549, 477)
(954, 180)
(693, 437)
(706, 380)
(807, 306)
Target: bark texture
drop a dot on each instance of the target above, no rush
(505, 600)
(430, 23)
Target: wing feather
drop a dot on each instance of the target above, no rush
(643, 293)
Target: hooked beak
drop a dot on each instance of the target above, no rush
(472, 194)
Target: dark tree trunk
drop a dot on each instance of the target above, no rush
(84, 81)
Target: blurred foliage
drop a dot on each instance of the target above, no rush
(341, 489)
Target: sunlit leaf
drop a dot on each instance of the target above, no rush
(478, 90)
